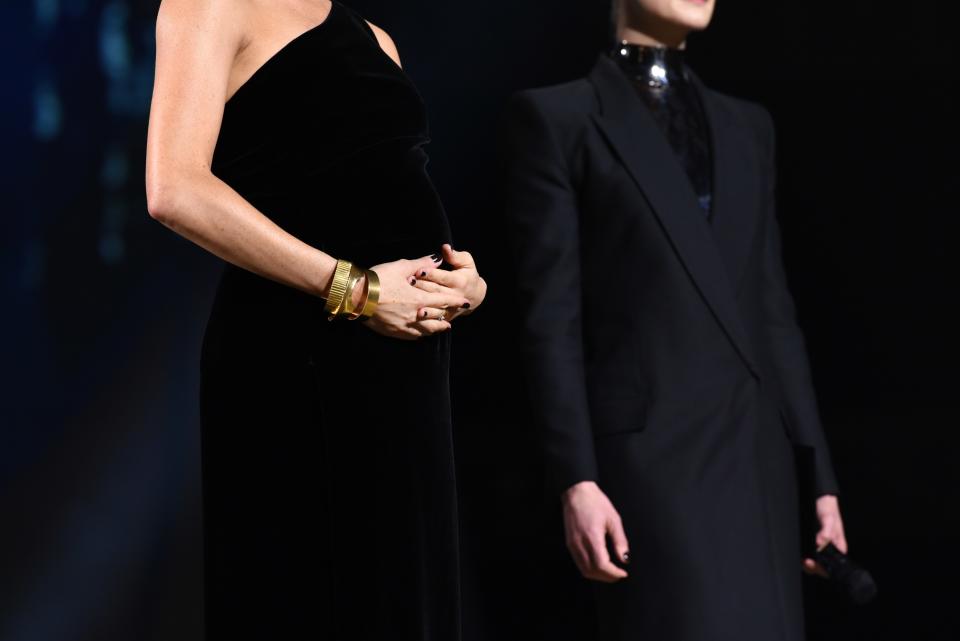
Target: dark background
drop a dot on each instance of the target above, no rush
(103, 309)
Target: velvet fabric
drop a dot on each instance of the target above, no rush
(329, 490)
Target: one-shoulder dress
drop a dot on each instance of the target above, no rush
(328, 476)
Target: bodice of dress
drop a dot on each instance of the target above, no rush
(327, 139)
(660, 77)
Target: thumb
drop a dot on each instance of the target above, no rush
(823, 537)
(457, 259)
(619, 539)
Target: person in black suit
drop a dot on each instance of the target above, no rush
(665, 364)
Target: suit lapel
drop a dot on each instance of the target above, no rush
(633, 134)
(736, 171)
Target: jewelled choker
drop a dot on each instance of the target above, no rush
(656, 67)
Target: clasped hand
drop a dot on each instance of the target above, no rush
(418, 299)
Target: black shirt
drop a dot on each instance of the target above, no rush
(661, 80)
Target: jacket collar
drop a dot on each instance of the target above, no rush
(632, 132)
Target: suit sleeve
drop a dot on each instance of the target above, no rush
(786, 342)
(543, 221)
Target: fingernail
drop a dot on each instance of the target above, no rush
(436, 258)
(466, 306)
(626, 557)
(424, 313)
(422, 274)
(413, 281)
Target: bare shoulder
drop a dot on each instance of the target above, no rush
(219, 19)
(386, 42)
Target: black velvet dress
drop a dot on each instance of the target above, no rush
(329, 495)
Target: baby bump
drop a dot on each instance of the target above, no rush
(375, 206)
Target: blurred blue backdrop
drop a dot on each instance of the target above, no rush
(103, 312)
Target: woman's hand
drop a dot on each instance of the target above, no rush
(398, 313)
(463, 279)
(831, 531)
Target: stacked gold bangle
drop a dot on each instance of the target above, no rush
(346, 277)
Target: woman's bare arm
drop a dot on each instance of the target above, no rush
(386, 43)
(196, 46)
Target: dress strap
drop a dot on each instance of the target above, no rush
(359, 20)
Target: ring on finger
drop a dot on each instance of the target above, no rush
(442, 316)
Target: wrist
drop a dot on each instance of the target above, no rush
(579, 488)
(326, 267)
(359, 293)
(353, 292)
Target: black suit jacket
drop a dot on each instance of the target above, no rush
(634, 304)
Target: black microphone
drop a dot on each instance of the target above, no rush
(846, 575)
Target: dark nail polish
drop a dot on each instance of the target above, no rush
(413, 281)
(422, 274)
(424, 313)
(466, 306)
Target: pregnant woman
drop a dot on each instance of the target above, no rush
(285, 138)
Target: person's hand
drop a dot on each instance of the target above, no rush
(400, 300)
(831, 531)
(588, 517)
(463, 279)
